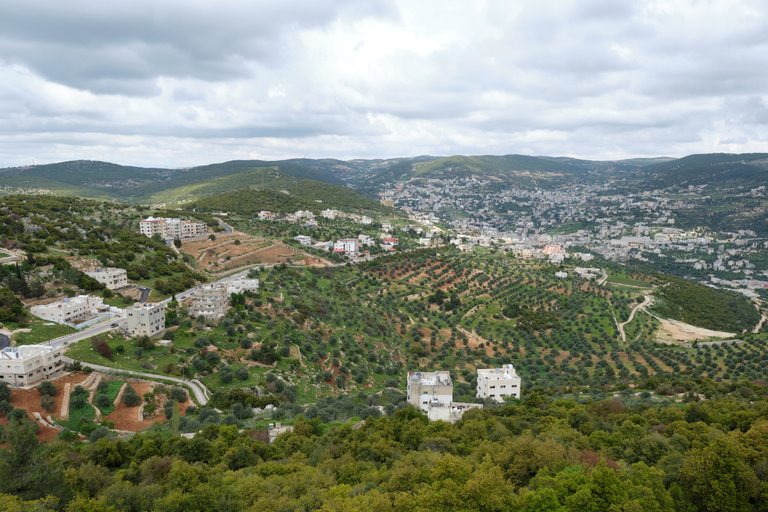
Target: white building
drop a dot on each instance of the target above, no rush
(211, 301)
(347, 245)
(30, 364)
(69, 311)
(303, 239)
(366, 220)
(426, 387)
(171, 228)
(241, 285)
(329, 214)
(145, 319)
(496, 383)
(266, 215)
(113, 278)
(432, 392)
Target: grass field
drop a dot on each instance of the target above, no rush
(41, 330)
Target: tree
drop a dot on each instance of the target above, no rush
(36, 289)
(211, 237)
(47, 402)
(718, 478)
(177, 242)
(11, 308)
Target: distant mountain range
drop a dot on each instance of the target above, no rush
(104, 180)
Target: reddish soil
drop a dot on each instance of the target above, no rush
(29, 399)
(127, 418)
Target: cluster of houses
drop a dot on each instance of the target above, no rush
(350, 247)
(308, 218)
(432, 392)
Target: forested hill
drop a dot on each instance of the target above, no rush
(747, 170)
(302, 195)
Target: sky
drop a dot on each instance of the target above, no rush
(177, 83)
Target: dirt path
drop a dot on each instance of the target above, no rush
(647, 301)
(759, 325)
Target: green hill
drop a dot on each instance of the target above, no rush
(302, 194)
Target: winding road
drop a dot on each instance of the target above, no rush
(648, 299)
(198, 388)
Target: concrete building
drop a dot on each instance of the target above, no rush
(432, 392)
(152, 226)
(347, 246)
(329, 214)
(69, 311)
(171, 228)
(113, 278)
(145, 319)
(496, 383)
(241, 285)
(303, 239)
(211, 301)
(426, 387)
(30, 364)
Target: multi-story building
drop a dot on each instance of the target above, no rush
(496, 383)
(211, 301)
(113, 278)
(171, 228)
(152, 226)
(329, 214)
(69, 311)
(426, 387)
(145, 319)
(30, 364)
(347, 245)
(241, 285)
(432, 392)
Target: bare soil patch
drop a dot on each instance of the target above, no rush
(127, 418)
(676, 331)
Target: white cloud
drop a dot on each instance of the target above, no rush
(183, 83)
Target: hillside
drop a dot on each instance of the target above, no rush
(302, 194)
(718, 169)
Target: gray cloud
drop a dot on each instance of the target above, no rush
(192, 81)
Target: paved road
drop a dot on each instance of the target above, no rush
(197, 387)
(227, 229)
(86, 333)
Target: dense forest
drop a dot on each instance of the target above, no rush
(704, 306)
(550, 452)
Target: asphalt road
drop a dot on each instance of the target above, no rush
(199, 390)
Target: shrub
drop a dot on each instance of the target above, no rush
(130, 398)
(178, 394)
(242, 373)
(47, 402)
(77, 402)
(103, 401)
(98, 434)
(102, 387)
(100, 346)
(46, 388)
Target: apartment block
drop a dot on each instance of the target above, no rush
(241, 285)
(496, 383)
(171, 228)
(113, 278)
(29, 364)
(211, 301)
(69, 311)
(426, 387)
(145, 319)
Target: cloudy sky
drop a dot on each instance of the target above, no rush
(185, 82)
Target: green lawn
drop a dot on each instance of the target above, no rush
(41, 330)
